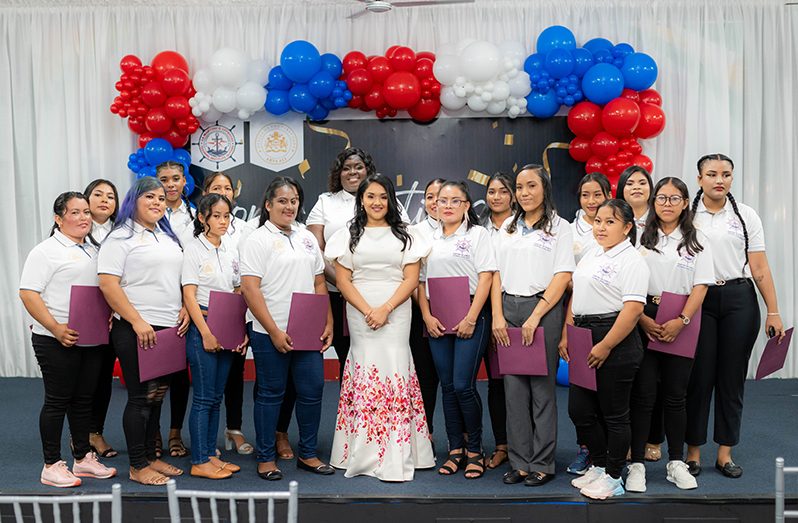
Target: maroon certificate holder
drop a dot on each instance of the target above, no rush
(306, 320)
(166, 357)
(523, 360)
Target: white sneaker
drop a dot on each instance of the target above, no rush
(592, 474)
(58, 475)
(636, 478)
(679, 474)
(90, 467)
(604, 487)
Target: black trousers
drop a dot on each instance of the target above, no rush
(425, 366)
(178, 398)
(340, 342)
(607, 443)
(102, 396)
(70, 378)
(730, 321)
(497, 407)
(144, 400)
(664, 376)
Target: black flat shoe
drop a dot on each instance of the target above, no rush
(513, 477)
(730, 469)
(537, 479)
(323, 469)
(694, 468)
(271, 475)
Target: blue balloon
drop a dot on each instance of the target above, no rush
(602, 56)
(331, 64)
(618, 62)
(140, 153)
(190, 185)
(555, 37)
(543, 86)
(534, 63)
(318, 113)
(300, 99)
(559, 63)
(602, 83)
(622, 50)
(300, 60)
(277, 102)
(337, 92)
(182, 156)
(569, 100)
(583, 60)
(542, 105)
(347, 95)
(578, 96)
(639, 71)
(132, 157)
(340, 102)
(562, 373)
(133, 166)
(598, 43)
(278, 80)
(147, 171)
(158, 151)
(321, 85)
(328, 103)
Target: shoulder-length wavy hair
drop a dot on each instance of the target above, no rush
(549, 208)
(205, 209)
(650, 236)
(99, 181)
(393, 216)
(334, 179)
(127, 209)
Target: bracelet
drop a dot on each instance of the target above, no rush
(774, 314)
(390, 307)
(544, 299)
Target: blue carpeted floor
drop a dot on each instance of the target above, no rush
(770, 429)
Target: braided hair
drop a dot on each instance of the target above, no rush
(549, 208)
(171, 164)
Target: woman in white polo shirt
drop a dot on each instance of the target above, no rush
(139, 267)
(609, 291)
(634, 187)
(730, 316)
(69, 373)
(680, 262)
(534, 251)
(277, 260)
(460, 247)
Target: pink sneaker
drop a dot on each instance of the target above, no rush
(89, 467)
(58, 475)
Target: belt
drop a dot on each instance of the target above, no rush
(587, 318)
(654, 299)
(736, 281)
(538, 295)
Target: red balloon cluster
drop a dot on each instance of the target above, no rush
(607, 138)
(154, 98)
(400, 80)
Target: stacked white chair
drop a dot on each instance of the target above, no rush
(75, 501)
(175, 495)
(782, 514)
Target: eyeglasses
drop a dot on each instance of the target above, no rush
(454, 202)
(673, 200)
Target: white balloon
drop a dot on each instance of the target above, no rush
(480, 61)
(460, 80)
(212, 115)
(462, 44)
(501, 90)
(520, 86)
(229, 67)
(243, 114)
(522, 103)
(450, 100)
(497, 107)
(204, 106)
(469, 87)
(224, 99)
(192, 102)
(446, 49)
(258, 72)
(508, 64)
(459, 91)
(513, 50)
(488, 87)
(503, 77)
(203, 81)
(513, 112)
(478, 90)
(486, 97)
(251, 96)
(476, 103)
(446, 69)
(196, 111)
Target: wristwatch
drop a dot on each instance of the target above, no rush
(685, 319)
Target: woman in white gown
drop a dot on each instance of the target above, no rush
(381, 429)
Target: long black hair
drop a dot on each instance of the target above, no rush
(271, 192)
(127, 209)
(99, 181)
(171, 164)
(508, 183)
(60, 208)
(208, 181)
(334, 179)
(205, 209)
(650, 236)
(700, 165)
(426, 188)
(393, 216)
(471, 216)
(626, 174)
(600, 179)
(549, 208)
(622, 211)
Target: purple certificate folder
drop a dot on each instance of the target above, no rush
(166, 357)
(670, 306)
(774, 355)
(89, 314)
(306, 320)
(580, 343)
(523, 360)
(227, 318)
(449, 300)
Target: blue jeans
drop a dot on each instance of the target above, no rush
(209, 371)
(271, 369)
(457, 362)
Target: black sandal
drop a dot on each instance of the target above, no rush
(479, 460)
(493, 456)
(454, 457)
(176, 447)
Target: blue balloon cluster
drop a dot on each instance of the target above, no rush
(157, 151)
(306, 82)
(562, 74)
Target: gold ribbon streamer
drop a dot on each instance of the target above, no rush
(478, 177)
(303, 167)
(237, 192)
(399, 180)
(509, 138)
(553, 145)
(333, 132)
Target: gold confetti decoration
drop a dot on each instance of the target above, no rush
(478, 177)
(303, 167)
(508, 139)
(515, 167)
(553, 145)
(495, 124)
(237, 192)
(332, 132)
(399, 180)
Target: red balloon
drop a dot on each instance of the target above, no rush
(580, 149)
(175, 138)
(652, 121)
(614, 184)
(401, 90)
(425, 110)
(356, 102)
(594, 165)
(436, 89)
(424, 68)
(620, 116)
(641, 160)
(403, 59)
(354, 60)
(175, 82)
(631, 95)
(144, 139)
(380, 69)
(129, 62)
(650, 96)
(152, 94)
(167, 60)
(193, 124)
(604, 144)
(157, 121)
(136, 124)
(390, 50)
(374, 99)
(425, 54)
(177, 107)
(584, 119)
(359, 82)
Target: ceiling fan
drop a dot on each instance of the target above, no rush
(379, 6)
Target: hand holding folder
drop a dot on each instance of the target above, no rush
(524, 360)
(167, 356)
(580, 343)
(307, 320)
(774, 355)
(449, 300)
(670, 307)
(227, 318)
(88, 315)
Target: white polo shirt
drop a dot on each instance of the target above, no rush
(236, 231)
(640, 226)
(99, 231)
(677, 272)
(529, 258)
(210, 268)
(725, 233)
(603, 281)
(181, 221)
(285, 263)
(149, 264)
(52, 268)
(583, 235)
(426, 227)
(466, 252)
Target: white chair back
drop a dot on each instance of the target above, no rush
(782, 514)
(94, 500)
(174, 495)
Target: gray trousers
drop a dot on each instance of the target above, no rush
(531, 400)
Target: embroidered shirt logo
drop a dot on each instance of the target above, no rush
(308, 244)
(462, 248)
(687, 262)
(606, 273)
(545, 241)
(734, 227)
